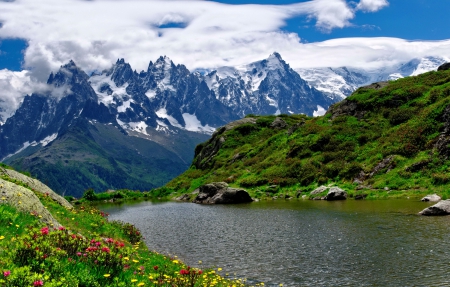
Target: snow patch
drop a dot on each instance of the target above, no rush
(194, 125)
(140, 127)
(24, 146)
(151, 94)
(49, 139)
(162, 113)
(320, 111)
(99, 81)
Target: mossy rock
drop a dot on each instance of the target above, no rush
(26, 201)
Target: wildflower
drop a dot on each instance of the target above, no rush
(44, 231)
(105, 249)
(6, 273)
(155, 267)
(200, 272)
(17, 226)
(184, 272)
(38, 283)
(2, 237)
(219, 269)
(133, 280)
(175, 261)
(135, 261)
(141, 284)
(61, 228)
(78, 253)
(107, 275)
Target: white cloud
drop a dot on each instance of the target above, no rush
(95, 33)
(371, 5)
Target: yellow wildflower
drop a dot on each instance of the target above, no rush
(2, 237)
(107, 275)
(133, 280)
(175, 261)
(141, 284)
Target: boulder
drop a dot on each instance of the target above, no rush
(336, 193)
(220, 193)
(444, 67)
(36, 185)
(278, 124)
(184, 197)
(318, 190)
(360, 196)
(26, 201)
(440, 208)
(431, 197)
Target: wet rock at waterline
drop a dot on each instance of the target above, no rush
(431, 197)
(440, 208)
(220, 193)
(336, 193)
(318, 190)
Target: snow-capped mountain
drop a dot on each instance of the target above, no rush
(120, 128)
(339, 83)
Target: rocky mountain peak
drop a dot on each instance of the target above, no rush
(67, 74)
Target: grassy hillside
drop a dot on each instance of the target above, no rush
(82, 249)
(393, 135)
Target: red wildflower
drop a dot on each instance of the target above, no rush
(155, 267)
(6, 273)
(184, 272)
(38, 283)
(105, 249)
(44, 231)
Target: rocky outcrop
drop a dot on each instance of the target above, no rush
(36, 185)
(443, 141)
(444, 67)
(336, 193)
(278, 124)
(205, 153)
(220, 193)
(26, 201)
(431, 197)
(440, 208)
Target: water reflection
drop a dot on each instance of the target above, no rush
(302, 243)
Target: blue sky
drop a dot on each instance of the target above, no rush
(406, 19)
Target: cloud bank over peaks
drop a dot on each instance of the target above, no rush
(200, 34)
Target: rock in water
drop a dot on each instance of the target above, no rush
(220, 193)
(336, 193)
(440, 208)
(432, 197)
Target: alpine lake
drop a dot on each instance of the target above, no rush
(301, 242)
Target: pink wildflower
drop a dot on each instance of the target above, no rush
(44, 230)
(38, 283)
(6, 273)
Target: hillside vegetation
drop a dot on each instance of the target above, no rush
(388, 139)
(45, 241)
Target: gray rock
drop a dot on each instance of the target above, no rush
(386, 188)
(432, 197)
(184, 197)
(278, 124)
(220, 193)
(360, 196)
(318, 190)
(26, 201)
(35, 185)
(440, 208)
(336, 193)
(444, 67)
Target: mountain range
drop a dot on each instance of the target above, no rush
(120, 128)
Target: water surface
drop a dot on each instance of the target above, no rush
(302, 243)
